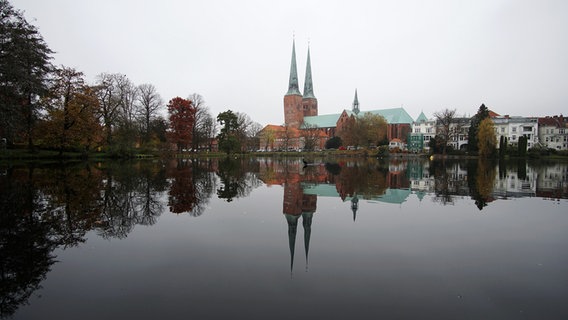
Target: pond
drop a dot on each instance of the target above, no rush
(264, 238)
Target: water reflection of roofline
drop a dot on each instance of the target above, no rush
(395, 196)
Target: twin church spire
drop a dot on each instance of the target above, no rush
(293, 85)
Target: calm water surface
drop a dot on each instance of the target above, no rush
(273, 239)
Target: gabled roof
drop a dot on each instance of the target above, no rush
(422, 117)
(393, 116)
(493, 114)
(323, 121)
(556, 121)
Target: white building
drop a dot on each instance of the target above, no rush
(426, 127)
(515, 127)
(553, 132)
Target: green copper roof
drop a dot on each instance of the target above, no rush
(421, 117)
(293, 87)
(308, 85)
(394, 115)
(323, 121)
(356, 104)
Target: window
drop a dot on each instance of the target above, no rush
(502, 130)
(514, 137)
(417, 130)
(514, 129)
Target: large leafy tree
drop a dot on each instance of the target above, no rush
(268, 135)
(364, 130)
(482, 113)
(348, 131)
(24, 70)
(182, 117)
(374, 129)
(486, 138)
(71, 106)
(228, 137)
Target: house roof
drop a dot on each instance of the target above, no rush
(493, 114)
(556, 121)
(421, 117)
(323, 121)
(393, 116)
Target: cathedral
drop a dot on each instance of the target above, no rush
(302, 121)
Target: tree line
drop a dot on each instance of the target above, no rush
(53, 107)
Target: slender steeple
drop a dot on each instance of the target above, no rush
(355, 104)
(293, 87)
(308, 85)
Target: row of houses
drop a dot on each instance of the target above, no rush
(550, 132)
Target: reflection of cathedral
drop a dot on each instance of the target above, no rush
(395, 182)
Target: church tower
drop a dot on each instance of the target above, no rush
(309, 101)
(293, 110)
(355, 104)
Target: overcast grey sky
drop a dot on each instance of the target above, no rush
(423, 55)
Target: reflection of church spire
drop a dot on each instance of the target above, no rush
(292, 230)
(307, 223)
(354, 206)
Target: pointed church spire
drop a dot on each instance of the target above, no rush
(308, 85)
(293, 87)
(355, 104)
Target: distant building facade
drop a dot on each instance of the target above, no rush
(553, 132)
(515, 127)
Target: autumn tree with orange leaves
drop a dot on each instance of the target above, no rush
(70, 123)
(182, 117)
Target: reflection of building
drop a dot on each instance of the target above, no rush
(516, 183)
(552, 181)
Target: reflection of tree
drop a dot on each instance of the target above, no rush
(484, 182)
(237, 178)
(27, 240)
(441, 183)
(363, 179)
(125, 201)
(48, 207)
(191, 187)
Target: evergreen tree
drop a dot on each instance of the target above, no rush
(24, 70)
(522, 146)
(228, 140)
(482, 113)
(333, 143)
